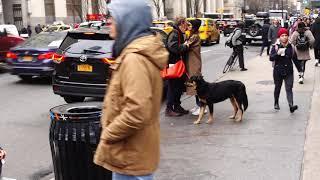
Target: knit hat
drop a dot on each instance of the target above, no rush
(282, 31)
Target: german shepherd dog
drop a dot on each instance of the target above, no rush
(211, 93)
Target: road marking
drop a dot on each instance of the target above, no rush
(205, 51)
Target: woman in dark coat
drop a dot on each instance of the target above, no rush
(315, 29)
(282, 56)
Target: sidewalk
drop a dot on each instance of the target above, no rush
(267, 145)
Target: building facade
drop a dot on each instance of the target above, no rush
(32, 12)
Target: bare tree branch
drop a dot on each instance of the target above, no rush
(157, 5)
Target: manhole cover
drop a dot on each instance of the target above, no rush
(269, 82)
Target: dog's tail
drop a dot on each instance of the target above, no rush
(244, 97)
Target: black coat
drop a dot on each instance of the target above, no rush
(316, 33)
(282, 64)
(265, 30)
(175, 48)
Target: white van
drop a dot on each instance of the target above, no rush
(11, 29)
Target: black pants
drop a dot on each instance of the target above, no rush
(288, 80)
(265, 44)
(303, 66)
(239, 52)
(297, 63)
(317, 53)
(175, 90)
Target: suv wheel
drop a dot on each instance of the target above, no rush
(26, 77)
(73, 99)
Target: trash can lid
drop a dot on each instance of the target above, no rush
(76, 111)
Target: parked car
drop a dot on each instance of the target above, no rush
(9, 37)
(253, 27)
(82, 65)
(229, 27)
(208, 31)
(33, 57)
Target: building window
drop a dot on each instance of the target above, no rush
(17, 16)
(95, 7)
(74, 8)
(49, 7)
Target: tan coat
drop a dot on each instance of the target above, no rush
(130, 138)
(302, 55)
(194, 63)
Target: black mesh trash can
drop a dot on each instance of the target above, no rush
(74, 135)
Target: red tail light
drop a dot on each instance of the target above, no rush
(108, 61)
(58, 58)
(11, 55)
(45, 56)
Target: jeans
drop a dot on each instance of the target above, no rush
(278, 80)
(116, 176)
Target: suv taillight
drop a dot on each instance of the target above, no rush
(11, 55)
(108, 61)
(58, 58)
(45, 56)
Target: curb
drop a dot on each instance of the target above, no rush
(310, 169)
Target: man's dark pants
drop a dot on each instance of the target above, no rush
(239, 52)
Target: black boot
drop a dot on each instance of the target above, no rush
(276, 105)
(171, 113)
(293, 108)
(179, 109)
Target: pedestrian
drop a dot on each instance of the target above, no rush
(177, 50)
(24, 30)
(29, 30)
(194, 63)
(316, 33)
(237, 42)
(38, 29)
(265, 40)
(302, 39)
(294, 27)
(308, 23)
(2, 157)
(273, 31)
(130, 139)
(281, 56)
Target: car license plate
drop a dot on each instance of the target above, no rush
(27, 58)
(84, 68)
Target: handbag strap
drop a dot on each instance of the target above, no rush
(179, 43)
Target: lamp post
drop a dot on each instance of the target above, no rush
(282, 8)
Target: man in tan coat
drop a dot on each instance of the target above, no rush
(130, 139)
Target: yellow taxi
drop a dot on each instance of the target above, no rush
(165, 25)
(208, 31)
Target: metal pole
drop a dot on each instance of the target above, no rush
(282, 8)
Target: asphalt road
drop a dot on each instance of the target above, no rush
(25, 119)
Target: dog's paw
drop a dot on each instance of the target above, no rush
(196, 122)
(232, 117)
(238, 119)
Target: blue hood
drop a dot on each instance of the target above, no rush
(133, 20)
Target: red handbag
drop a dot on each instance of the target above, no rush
(175, 71)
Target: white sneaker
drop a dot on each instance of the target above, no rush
(194, 109)
(300, 80)
(197, 112)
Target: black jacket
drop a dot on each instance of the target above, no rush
(175, 48)
(282, 64)
(315, 29)
(265, 31)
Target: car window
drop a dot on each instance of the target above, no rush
(44, 40)
(203, 23)
(101, 46)
(77, 42)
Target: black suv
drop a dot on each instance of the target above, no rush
(82, 65)
(253, 27)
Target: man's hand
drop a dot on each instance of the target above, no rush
(2, 154)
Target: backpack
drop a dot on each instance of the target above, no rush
(229, 40)
(302, 42)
